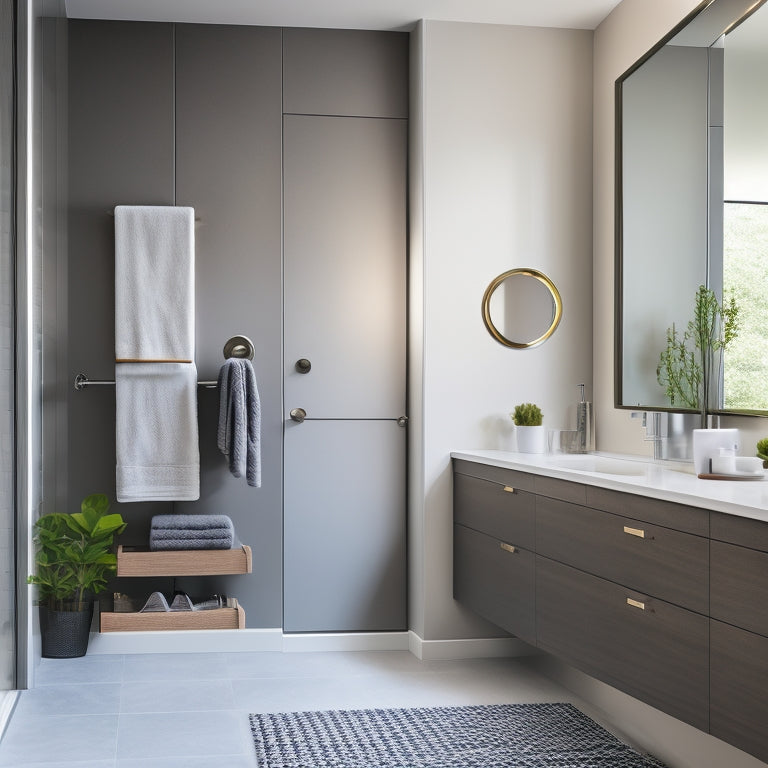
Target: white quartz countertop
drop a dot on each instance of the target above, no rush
(670, 481)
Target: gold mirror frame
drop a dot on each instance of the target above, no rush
(556, 314)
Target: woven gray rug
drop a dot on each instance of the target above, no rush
(493, 736)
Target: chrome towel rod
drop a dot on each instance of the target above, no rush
(82, 381)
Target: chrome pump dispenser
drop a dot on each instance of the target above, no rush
(585, 425)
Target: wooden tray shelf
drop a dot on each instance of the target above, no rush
(161, 621)
(188, 562)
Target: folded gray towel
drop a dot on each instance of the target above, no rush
(191, 522)
(191, 532)
(178, 544)
(239, 429)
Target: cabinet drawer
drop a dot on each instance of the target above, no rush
(654, 651)
(656, 561)
(739, 586)
(498, 510)
(496, 582)
(739, 688)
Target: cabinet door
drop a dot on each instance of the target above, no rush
(345, 259)
(739, 688)
(493, 508)
(650, 649)
(345, 568)
(739, 586)
(496, 580)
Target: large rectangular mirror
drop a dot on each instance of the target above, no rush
(692, 205)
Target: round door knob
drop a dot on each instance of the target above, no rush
(303, 365)
(298, 415)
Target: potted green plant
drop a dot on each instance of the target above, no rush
(762, 451)
(73, 562)
(531, 435)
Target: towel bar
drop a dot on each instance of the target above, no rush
(82, 381)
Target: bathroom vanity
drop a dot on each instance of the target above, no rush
(640, 575)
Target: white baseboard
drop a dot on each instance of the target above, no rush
(197, 641)
(345, 641)
(254, 640)
(473, 648)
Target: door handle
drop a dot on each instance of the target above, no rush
(303, 365)
(298, 415)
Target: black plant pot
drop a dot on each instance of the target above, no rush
(65, 632)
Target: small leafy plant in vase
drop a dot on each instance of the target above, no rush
(74, 561)
(762, 451)
(531, 435)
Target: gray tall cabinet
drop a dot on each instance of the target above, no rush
(344, 211)
(208, 116)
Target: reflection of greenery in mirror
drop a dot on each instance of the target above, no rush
(745, 276)
(521, 308)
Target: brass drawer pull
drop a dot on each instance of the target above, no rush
(635, 603)
(509, 489)
(507, 547)
(639, 532)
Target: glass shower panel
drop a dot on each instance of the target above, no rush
(7, 443)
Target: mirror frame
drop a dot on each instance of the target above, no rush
(618, 309)
(556, 315)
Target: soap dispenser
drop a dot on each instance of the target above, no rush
(585, 425)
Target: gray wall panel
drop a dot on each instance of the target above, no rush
(228, 166)
(346, 72)
(120, 151)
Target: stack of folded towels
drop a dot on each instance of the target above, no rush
(175, 532)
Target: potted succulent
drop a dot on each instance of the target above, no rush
(531, 435)
(762, 451)
(73, 562)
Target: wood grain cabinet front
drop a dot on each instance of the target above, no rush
(496, 579)
(651, 649)
(497, 509)
(738, 685)
(654, 560)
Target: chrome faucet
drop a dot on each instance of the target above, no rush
(670, 433)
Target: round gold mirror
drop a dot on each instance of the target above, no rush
(521, 308)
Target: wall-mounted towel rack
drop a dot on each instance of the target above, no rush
(237, 346)
(82, 381)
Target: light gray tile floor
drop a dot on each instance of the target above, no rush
(191, 710)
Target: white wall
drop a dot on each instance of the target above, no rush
(502, 152)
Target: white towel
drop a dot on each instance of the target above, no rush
(157, 440)
(154, 282)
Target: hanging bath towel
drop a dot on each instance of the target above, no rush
(239, 432)
(155, 376)
(157, 443)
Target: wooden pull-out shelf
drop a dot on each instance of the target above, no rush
(160, 621)
(187, 562)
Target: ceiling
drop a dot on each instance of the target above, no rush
(350, 14)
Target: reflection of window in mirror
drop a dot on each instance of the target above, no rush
(745, 214)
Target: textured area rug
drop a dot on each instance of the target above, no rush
(494, 736)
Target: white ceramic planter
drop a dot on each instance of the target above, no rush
(531, 439)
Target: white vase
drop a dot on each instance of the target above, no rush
(707, 444)
(531, 439)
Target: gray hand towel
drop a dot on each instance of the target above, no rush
(191, 532)
(239, 429)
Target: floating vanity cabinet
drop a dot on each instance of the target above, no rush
(493, 542)
(739, 632)
(665, 601)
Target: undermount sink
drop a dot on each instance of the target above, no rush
(604, 465)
